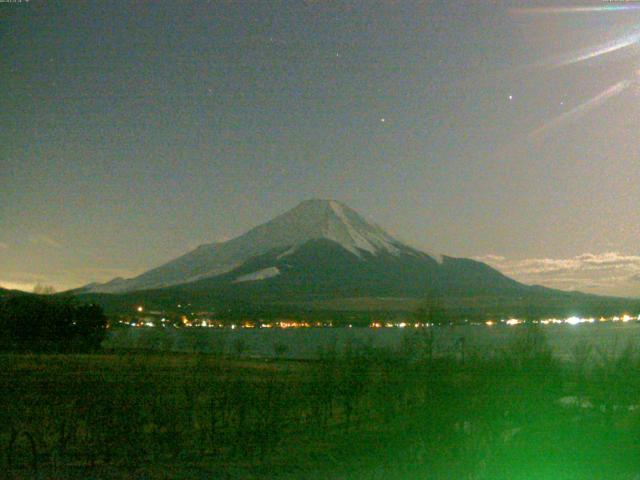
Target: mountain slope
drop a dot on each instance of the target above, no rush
(310, 220)
(324, 269)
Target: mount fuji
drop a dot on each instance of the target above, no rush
(320, 247)
(322, 256)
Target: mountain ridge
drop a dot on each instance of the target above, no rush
(310, 220)
(322, 256)
(322, 253)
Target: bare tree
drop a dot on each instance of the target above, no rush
(42, 289)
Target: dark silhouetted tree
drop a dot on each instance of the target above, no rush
(38, 323)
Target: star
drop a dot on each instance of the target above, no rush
(510, 97)
(382, 119)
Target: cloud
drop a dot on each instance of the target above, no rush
(46, 240)
(491, 258)
(610, 273)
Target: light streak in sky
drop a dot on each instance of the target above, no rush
(575, 9)
(627, 41)
(599, 50)
(580, 110)
(624, 41)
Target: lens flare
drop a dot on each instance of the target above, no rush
(580, 110)
(574, 9)
(621, 43)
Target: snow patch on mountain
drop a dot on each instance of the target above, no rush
(351, 231)
(263, 274)
(289, 251)
(437, 257)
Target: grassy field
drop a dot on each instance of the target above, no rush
(360, 413)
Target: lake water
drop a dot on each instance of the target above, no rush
(307, 343)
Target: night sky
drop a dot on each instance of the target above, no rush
(132, 132)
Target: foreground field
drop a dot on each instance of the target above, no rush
(359, 413)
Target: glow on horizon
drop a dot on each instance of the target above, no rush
(23, 287)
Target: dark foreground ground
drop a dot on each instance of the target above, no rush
(360, 413)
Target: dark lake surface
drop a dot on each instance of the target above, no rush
(606, 338)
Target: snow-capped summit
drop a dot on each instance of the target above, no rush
(321, 219)
(310, 220)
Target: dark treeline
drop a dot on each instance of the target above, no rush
(46, 323)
